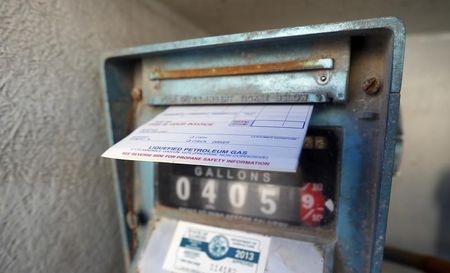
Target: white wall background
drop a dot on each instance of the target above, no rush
(419, 216)
(57, 206)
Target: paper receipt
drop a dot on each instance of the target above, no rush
(262, 137)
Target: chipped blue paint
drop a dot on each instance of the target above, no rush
(365, 179)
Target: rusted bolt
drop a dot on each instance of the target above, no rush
(132, 220)
(136, 94)
(371, 86)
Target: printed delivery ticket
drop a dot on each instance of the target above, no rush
(261, 137)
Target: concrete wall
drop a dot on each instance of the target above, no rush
(57, 209)
(419, 218)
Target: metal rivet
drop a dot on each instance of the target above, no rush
(131, 220)
(136, 94)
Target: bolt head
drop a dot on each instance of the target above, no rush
(136, 94)
(371, 86)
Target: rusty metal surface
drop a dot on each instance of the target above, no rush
(320, 76)
(392, 24)
(368, 143)
(426, 263)
(289, 66)
(128, 187)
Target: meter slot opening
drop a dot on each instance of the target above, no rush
(288, 71)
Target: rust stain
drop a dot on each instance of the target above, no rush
(288, 66)
(136, 97)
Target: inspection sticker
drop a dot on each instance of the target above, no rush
(204, 249)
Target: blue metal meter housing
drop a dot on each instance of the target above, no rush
(351, 71)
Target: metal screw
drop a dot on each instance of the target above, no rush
(371, 86)
(322, 79)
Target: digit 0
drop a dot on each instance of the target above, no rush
(183, 188)
(237, 194)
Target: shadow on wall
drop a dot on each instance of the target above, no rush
(443, 202)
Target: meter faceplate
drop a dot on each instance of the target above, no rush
(306, 197)
(366, 117)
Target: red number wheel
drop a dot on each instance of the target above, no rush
(312, 204)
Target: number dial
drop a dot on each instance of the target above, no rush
(277, 196)
(247, 198)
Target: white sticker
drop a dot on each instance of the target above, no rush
(204, 249)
